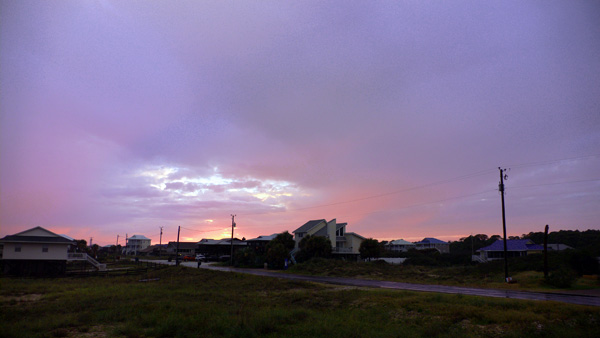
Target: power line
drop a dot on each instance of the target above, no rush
(207, 230)
(427, 203)
(458, 178)
(557, 183)
(531, 164)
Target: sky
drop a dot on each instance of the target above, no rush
(121, 117)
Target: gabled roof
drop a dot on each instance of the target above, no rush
(139, 237)
(209, 241)
(35, 235)
(513, 245)
(184, 245)
(223, 241)
(309, 225)
(431, 240)
(558, 247)
(400, 242)
(355, 234)
(262, 238)
(340, 225)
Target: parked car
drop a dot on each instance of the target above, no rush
(200, 257)
(188, 258)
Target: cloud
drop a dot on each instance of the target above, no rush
(119, 115)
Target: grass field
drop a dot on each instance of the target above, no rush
(490, 275)
(188, 302)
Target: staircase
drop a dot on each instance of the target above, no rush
(292, 253)
(95, 263)
(85, 257)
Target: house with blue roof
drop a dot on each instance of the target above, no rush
(433, 243)
(514, 248)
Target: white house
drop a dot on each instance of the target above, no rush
(433, 243)
(400, 245)
(36, 251)
(136, 243)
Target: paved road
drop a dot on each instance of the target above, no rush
(547, 296)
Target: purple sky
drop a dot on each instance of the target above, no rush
(118, 117)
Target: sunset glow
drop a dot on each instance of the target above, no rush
(124, 117)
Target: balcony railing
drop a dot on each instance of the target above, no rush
(342, 250)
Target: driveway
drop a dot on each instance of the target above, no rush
(498, 293)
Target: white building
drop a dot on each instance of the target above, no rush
(400, 245)
(36, 251)
(136, 243)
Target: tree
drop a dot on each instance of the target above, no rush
(314, 246)
(370, 248)
(245, 257)
(276, 254)
(94, 250)
(286, 239)
(81, 245)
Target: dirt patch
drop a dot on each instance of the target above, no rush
(98, 331)
(32, 297)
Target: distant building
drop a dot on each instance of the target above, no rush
(558, 247)
(259, 243)
(35, 252)
(136, 243)
(215, 248)
(342, 242)
(153, 250)
(514, 248)
(185, 248)
(433, 243)
(400, 245)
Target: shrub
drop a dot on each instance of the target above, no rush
(314, 246)
(245, 258)
(370, 248)
(276, 255)
(562, 278)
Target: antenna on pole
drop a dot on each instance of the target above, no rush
(232, 226)
(503, 176)
(177, 248)
(160, 243)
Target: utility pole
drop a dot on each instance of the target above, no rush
(160, 243)
(91, 241)
(501, 188)
(117, 248)
(546, 251)
(126, 244)
(232, 226)
(177, 248)
(472, 250)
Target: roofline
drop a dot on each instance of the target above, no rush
(320, 220)
(37, 227)
(355, 234)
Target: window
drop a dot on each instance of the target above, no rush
(45, 248)
(18, 248)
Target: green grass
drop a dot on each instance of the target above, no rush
(484, 275)
(201, 303)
